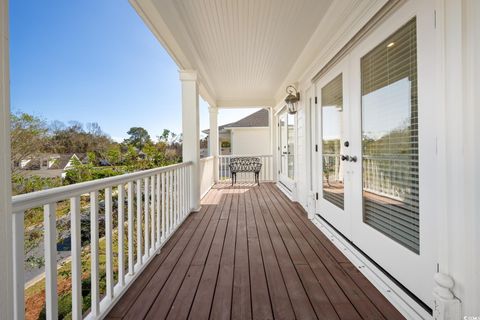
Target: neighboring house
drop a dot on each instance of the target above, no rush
(236, 138)
(50, 165)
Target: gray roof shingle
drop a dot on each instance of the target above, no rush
(257, 119)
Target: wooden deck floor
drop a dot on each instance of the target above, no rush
(251, 253)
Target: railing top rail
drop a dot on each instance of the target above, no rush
(27, 201)
(244, 155)
(207, 158)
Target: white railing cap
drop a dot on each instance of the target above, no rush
(35, 199)
(245, 155)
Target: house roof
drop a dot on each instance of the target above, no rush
(257, 119)
(62, 161)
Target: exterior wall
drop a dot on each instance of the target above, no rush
(458, 45)
(250, 141)
(300, 159)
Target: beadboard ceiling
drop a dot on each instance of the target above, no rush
(242, 49)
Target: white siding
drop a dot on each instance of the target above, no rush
(301, 164)
(251, 141)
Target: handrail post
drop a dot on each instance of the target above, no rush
(213, 140)
(191, 132)
(6, 243)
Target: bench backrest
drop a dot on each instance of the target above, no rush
(245, 164)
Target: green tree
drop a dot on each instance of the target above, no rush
(131, 156)
(164, 136)
(114, 155)
(139, 137)
(27, 135)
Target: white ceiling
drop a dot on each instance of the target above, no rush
(242, 49)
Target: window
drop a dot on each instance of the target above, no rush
(332, 133)
(390, 137)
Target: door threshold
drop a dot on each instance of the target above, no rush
(408, 306)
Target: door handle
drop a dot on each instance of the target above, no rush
(345, 158)
(353, 159)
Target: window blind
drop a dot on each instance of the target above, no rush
(390, 171)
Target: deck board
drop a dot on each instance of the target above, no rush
(251, 253)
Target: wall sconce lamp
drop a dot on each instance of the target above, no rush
(292, 99)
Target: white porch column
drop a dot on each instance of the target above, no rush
(6, 254)
(191, 132)
(213, 139)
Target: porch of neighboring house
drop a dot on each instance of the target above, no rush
(251, 253)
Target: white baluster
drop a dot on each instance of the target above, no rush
(94, 253)
(50, 246)
(171, 206)
(146, 213)
(139, 223)
(167, 203)
(130, 228)
(180, 193)
(175, 197)
(152, 213)
(18, 265)
(121, 233)
(76, 243)
(184, 184)
(108, 240)
(164, 220)
(159, 211)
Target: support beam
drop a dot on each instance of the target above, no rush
(6, 254)
(213, 140)
(191, 132)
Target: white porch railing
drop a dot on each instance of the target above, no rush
(266, 174)
(206, 172)
(392, 177)
(156, 203)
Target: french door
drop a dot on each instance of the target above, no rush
(286, 150)
(376, 137)
(332, 112)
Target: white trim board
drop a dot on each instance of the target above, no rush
(393, 293)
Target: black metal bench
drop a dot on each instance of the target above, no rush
(245, 164)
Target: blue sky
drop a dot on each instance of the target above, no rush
(94, 61)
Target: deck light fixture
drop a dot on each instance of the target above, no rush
(292, 99)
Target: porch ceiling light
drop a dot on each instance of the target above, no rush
(292, 99)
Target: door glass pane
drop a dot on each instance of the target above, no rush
(332, 133)
(291, 145)
(390, 138)
(283, 143)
